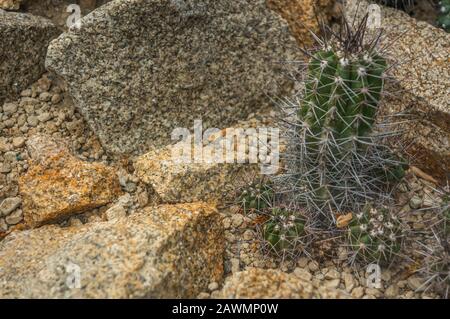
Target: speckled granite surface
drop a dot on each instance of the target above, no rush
(304, 16)
(137, 69)
(23, 45)
(255, 283)
(159, 252)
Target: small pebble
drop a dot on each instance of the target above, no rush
(415, 202)
(9, 205)
(14, 218)
(213, 286)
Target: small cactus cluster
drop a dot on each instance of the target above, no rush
(257, 196)
(444, 16)
(375, 235)
(335, 159)
(284, 230)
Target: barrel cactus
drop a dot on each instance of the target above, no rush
(444, 17)
(375, 235)
(284, 230)
(257, 196)
(335, 157)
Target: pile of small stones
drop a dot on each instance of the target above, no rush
(45, 107)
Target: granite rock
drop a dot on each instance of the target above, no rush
(160, 252)
(255, 283)
(302, 16)
(22, 50)
(58, 185)
(176, 180)
(137, 69)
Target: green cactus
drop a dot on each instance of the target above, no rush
(375, 235)
(257, 196)
(338, 111)
(444, 17)
(283, 230)
(342, 96)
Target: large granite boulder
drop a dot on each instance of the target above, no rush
(420, 86)
(160, 252)
(23, 46)
(137, 69)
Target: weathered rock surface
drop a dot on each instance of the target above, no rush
(177, 179)
(10, 4)
(255, 283)
(186, 182)
(302, 16)
(57, 184)
(22, 50)
(160, 252)
(421, 86)
(137, 69)
(56, 10)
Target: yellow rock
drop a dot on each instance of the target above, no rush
(58, 185)
(301, 16)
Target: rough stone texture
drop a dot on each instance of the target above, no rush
(302, 16)
(177, 182)
(10, 4)
(255, 283)
(137, 69)
(23, 46)
(422, 85)
(56, 10)
(57, 184)
(160, 252)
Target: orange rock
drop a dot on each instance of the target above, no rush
(61, 185)
(301, 16)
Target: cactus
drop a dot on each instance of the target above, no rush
(335, 159)
(375, 235)
(283, 230)
(256, 196)
(444, 17)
